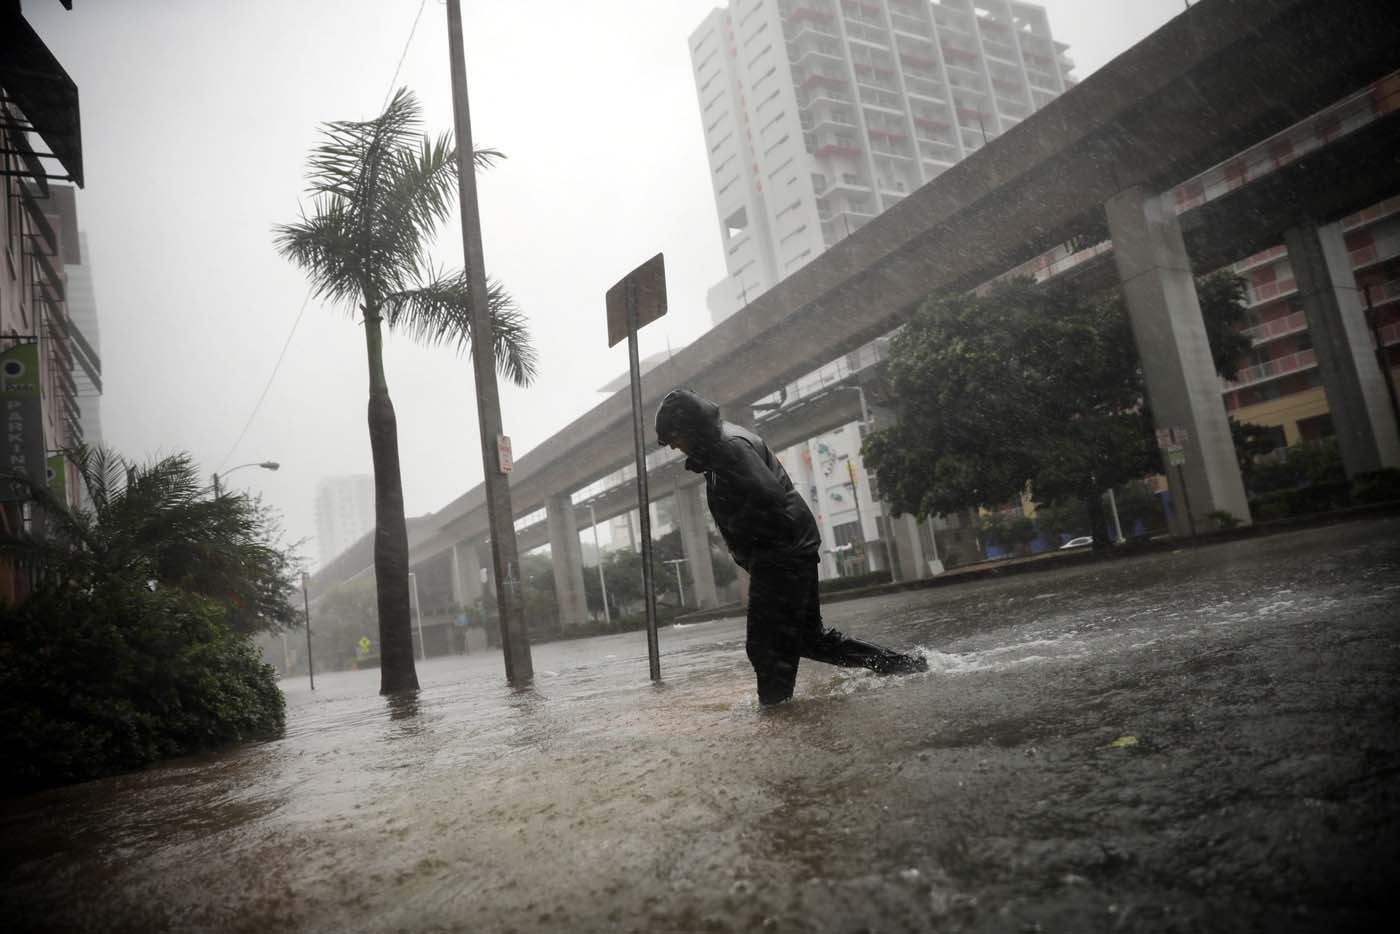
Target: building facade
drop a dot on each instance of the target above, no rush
(820, 114)
(42, 145)
(344, 513)
(1279, 385)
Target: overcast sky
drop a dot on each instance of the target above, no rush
(197, 117)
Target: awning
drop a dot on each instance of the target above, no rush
(35, 82)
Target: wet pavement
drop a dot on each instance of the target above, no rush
(1204, 740)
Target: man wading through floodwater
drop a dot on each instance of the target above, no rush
(772, 535)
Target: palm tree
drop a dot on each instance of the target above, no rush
(157, 522)
(379, 191)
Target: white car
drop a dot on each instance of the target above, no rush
(1079, 542)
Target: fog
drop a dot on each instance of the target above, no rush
(197, 119)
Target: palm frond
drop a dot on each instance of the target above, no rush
(326, 248)
(351, 151)
(438, 313)
(70, 524)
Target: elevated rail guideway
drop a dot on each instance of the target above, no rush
(1218, 78)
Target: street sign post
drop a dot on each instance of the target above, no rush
(639, 299)
(1172, 442)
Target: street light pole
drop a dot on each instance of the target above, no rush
(418, 615)
(306, 603)
(505, 558)
(860, 521)
(675, 564)
(602, 581)
(265, 465)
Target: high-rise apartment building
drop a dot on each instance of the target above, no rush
(344, 513)
(87, 343)
(820, 114)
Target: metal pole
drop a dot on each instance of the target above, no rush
(505, 558)
(418, 615)
(306, 603)
(860, 522)
(602, 580)
(1113, 511)
(216, 485)
(1382, 356)
(1186, 501)
(643, 501)
(680, 585)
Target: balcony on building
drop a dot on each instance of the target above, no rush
(959, 58)
(828, 188)
(1275, 368)
(813, 48)
(862, 11)
(910, 23)
(813, 11)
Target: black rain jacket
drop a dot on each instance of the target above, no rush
(762, 518)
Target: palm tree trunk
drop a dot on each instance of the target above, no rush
(397, 672)
(1098, 519)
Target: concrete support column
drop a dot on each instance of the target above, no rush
(567, 556)
(1170, 334)
(691, 510)
(1346, 357)
(910, 548)
(466, 574)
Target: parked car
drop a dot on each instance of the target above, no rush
(1079, 542)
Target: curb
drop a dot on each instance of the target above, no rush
(1053, 561)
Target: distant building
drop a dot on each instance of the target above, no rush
(819, 115)
(87, 344)
(344, 513)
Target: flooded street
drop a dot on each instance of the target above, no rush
(1199, 740)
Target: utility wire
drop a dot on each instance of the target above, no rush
(403, 55)
(275, 367)
(290, 334)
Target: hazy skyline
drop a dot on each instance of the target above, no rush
(197, 118)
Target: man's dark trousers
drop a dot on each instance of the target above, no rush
(785, 624)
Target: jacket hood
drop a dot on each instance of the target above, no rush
(684, 413)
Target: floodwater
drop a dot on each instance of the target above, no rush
(1197, 740)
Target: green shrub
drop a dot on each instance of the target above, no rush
(1377, 486)
(854, 581)
(103, 680)
(1320, 497)
(1223, 519)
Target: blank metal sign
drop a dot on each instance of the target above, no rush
(649, 284)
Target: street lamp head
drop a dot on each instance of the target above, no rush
(269, 465)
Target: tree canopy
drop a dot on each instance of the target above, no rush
(1026, 385)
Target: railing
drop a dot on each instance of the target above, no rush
(1373, 253)
(1385, 292)
(1272, 369)
(1279, 327)
(815, 382)
(907, 23)
(1260, 258)
(1265, 157)
(1374, 213)
(1269, 291)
